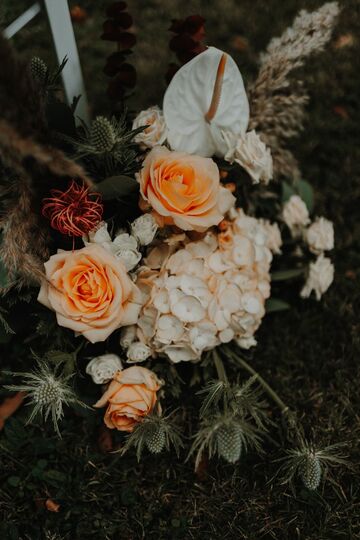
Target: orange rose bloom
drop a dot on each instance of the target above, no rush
(90, 291)
(130, 396)
(183, 190)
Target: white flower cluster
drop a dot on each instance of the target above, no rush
(250, 152)
(200, 293)
(319, 236)
(125, 246)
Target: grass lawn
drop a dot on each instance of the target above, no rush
(310, 355)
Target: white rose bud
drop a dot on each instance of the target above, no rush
(138, 352)
(99, 235)
(102, 368)
(250, 153)
(320, 236)
(295, 214)
(144, 229)
(273, 236)
(321, 276)
(155, 132)
(124, 247)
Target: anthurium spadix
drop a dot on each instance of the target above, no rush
(205, 97)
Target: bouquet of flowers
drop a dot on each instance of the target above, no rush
(142, 252)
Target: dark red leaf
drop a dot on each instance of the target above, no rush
(111, 31)
(125, 20)
(127, 40)
(115, 9)
(114, 63)
(183, 42)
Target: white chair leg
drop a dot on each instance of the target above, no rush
(65, 45)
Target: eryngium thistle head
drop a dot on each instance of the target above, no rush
(38, 69)
(102, 134)
(47, 391)
(156, 439)
(310, 472)
(229, 442)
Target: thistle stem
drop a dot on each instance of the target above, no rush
(274, 396)
(219, 367)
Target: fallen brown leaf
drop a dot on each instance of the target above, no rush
(345, 40)
(51, 505)
(9, 406)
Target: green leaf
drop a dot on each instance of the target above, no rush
(283, 275)
(275, 304)
(306, 192)
(116, 187)
(287, 191)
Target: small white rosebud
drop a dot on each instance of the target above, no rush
(251, 154)
(128, 257)
(102, 368)
(144, 229)
(138, 352)
(320, 236)
(295, 214)
(155, 131)
(321, 276)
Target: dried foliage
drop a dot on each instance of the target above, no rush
(277, 103)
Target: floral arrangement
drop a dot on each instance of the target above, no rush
(150, 247)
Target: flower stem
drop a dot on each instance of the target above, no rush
(219, 367)
(274, 396)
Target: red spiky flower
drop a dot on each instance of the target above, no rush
(73, 212)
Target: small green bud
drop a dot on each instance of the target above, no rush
(38, 69)
(156, 440)
(311, 472)
(229, 442)
(102, 134)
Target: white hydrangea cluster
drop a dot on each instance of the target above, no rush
(125, 246)
(205, 290)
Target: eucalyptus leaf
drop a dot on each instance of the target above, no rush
(275, 304)
(283, 275)
(287, 191)
(116, 187)
(306, 192)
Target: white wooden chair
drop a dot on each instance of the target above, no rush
(65, 45)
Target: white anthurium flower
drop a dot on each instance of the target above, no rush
(144, 229)
(138, 352)
(205, 97)
(320, 236)
(169, 328)
(188, 309)
(181, 352)
(246, 342)
(127, 336)
(321, 276)
(102, 368)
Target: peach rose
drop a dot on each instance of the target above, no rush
(90, 291)
(131, 395)
(183, 189)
